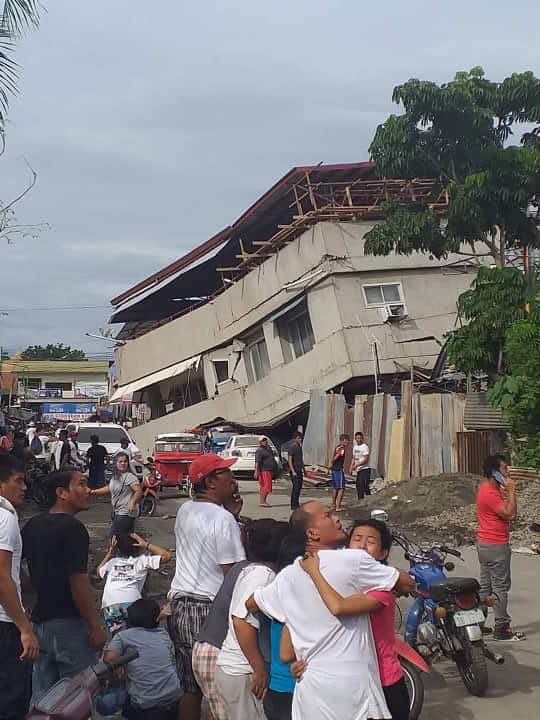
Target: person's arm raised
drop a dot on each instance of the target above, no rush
(508, 509)
(337, 604)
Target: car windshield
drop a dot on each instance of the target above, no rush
(246, 441)
(105, 434)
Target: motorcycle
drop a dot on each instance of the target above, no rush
(151, 488)
(413, 665)
(36, 474)
(446, 617)
(73, 698)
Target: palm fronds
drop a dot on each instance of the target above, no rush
(16, 17)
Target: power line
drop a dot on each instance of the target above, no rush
(47, 309)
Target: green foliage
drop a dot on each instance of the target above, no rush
(15, 17)
(495, 301)
(52, 352)
(456, 132)
(518, 394)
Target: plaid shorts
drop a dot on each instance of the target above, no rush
(204, 661)
(188, 615)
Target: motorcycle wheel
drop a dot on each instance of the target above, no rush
(472, 666)
(415, 688)
(148, 505)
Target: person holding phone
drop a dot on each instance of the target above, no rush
(496, 508)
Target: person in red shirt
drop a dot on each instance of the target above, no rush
(337, 473)
(495, 509)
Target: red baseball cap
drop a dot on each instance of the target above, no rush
(206, 464)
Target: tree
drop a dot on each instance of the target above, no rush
(498, 297)
(518, 393)
(457, 133)
(52, 352)
(16, 17)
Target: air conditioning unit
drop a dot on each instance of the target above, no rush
(393, 311)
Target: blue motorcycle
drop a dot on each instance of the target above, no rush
(446, 616)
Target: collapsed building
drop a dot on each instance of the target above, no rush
(282, 302)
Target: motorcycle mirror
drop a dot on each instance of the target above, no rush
(381, 515)
(449, 566)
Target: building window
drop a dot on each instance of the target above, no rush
(33, 383)
(221, 370)
(58, 386)
(258, 362)
(383, 294)
(296, 332)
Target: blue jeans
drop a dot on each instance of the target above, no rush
(65, 651)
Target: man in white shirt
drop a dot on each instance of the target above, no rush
(360, 466)
(342, 675)
(19, 646)
(208, 543)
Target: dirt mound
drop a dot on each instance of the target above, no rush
(437, 507)
(410, 500)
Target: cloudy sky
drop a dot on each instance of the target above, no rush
(153, 125)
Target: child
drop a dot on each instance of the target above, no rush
(152, 681)
(337, 472)
(375, 538)
(126, 570)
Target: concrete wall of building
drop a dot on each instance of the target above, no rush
(330, 247)
(343, 328)
(430, 299)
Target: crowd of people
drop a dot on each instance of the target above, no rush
(264, 619)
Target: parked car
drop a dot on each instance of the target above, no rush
(110, 436)
(217, 439)
(243, 448)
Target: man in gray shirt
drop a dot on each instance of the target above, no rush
(152, 681)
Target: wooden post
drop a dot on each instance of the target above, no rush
(406, 414)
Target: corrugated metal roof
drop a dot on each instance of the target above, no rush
(481, 415)
(71, 367)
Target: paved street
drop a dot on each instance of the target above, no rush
(514, 687)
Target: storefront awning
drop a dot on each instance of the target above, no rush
(124, 392)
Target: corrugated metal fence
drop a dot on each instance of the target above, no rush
(472, 449)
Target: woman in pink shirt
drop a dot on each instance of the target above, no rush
(375, 538)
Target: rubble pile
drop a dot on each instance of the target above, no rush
(442, 508)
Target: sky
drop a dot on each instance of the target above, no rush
(149, 132)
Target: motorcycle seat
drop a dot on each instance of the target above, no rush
(442, 589)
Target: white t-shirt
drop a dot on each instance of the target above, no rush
(125, 578)
(359, 453)
(342, 664)
(207, 536)
(231, 659)
(11, 541)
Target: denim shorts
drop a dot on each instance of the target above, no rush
(338, 479)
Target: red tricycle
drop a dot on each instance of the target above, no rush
(173, 454)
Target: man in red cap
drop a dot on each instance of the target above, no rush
(208, 543)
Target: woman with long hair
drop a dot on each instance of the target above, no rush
(126, 493)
